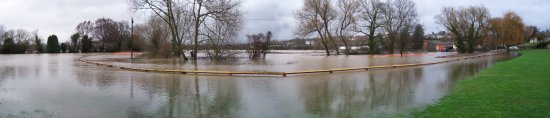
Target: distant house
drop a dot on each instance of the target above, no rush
(533, 40)
(546, 36)
(437, 45)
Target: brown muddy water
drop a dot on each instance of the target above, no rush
(57, 85)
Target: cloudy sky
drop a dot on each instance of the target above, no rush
(60, 17)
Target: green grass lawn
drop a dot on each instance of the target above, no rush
(518, 88)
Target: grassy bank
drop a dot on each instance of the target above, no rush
(515, 88)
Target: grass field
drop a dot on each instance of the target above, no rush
(518, 88)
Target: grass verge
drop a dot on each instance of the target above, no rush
(516, 88)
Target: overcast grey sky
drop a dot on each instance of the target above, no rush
(60, 17)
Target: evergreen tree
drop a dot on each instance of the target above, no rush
(418, 37)
(53, 44)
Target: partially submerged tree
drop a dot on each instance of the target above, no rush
(191, 19)
(258, 45)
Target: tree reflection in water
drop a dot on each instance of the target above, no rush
(82, 90)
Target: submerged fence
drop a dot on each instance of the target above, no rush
(283, 74)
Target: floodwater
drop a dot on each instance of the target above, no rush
(56, 85)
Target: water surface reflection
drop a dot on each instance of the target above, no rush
(58, 86)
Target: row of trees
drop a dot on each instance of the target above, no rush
(387, 23)
(21, 41)
(113, 36)
(393, 24)
(472, 27)
(17, 41)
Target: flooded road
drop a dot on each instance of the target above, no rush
(56, 85)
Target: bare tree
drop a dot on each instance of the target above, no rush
(315, 17)
(85, 28)
(466, 24)
(399, 16)
(347, 10)
(371, 19)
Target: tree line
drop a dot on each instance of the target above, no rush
(392, 26)
(387, 23)
(21, 41)
(211, 28)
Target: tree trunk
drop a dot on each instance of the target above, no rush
(343, 39)
(372, 43)
(196, 36)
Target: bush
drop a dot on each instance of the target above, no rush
(258, 45)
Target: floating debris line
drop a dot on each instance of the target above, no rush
(283, 74)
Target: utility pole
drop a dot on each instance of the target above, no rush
(132, 40)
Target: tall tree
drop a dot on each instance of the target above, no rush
(509, 30)
(315, 17)
(347, 11)
(399, 16)
(466, 24)
(75, 42)
(418, 37)
(53, 44)
(371, 20)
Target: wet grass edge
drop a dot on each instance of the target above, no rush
(515, 88)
